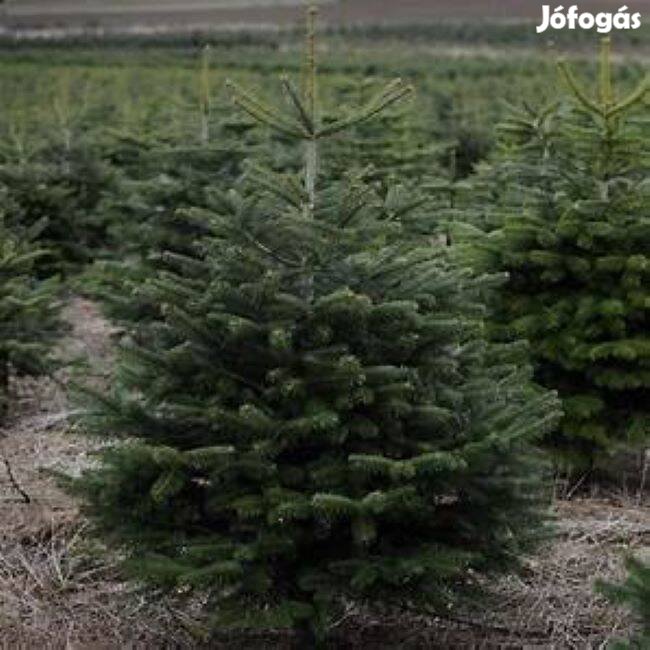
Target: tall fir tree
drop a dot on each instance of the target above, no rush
(567, 208)
(315, 416)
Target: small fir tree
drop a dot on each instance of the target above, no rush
(29, 313)
(54, 179)
(315, 415)
(567, 208)
(147, 209)
(59, 193)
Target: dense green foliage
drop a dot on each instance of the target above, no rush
(62, 195)
(314, 415)
(29, 313)
(147, 217)
(52, 173)
(567, 205)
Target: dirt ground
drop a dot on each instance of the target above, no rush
(57, 591)
(219, 13)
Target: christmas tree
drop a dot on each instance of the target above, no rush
(567, 210)
(29, 313)
(315, 416)
(53, 179)
(158, 180)
(59, 192)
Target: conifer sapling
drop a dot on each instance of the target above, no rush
(316, 417)
(567, 210)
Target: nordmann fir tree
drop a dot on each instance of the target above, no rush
(316, 417)
(146, 207)
(29, 313)
(58, 195)
(572, 228)
(55, 181)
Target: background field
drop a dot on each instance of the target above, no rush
(31, 13)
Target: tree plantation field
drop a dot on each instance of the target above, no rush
(155, 93)
(332, 339)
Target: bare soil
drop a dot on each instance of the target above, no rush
(57, 590)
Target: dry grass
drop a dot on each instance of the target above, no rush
(56, 591)
(54, 595)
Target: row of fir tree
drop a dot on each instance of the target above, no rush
(345, 377)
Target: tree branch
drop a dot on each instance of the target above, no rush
(13, 481)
